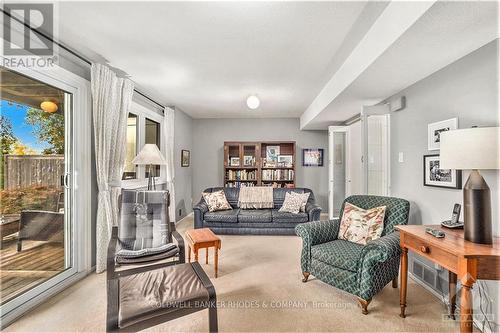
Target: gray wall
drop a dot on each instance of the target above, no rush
(183, 139)
(466, 89)
(208, 141)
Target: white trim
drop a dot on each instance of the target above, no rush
(185, 217)
(331, 152)
(80, 207)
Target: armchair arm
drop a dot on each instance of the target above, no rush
(110, 263)
(313, 233)
(313, 211)
(199, 211)
(383, 248)
(180, 244)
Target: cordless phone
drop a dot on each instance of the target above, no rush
(454, 223)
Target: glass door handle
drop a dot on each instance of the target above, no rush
(66, 180)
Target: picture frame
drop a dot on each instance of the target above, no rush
(285, 161)
(248, 160)
(185, 158)
(435, 177)
(234, 161)
(434, 131)
(312, 157)
(272, 153)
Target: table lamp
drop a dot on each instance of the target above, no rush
(473, 149)
(149, 155)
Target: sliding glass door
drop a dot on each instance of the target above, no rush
(38, 245)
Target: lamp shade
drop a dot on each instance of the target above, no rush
(149, 154)
(470, 149)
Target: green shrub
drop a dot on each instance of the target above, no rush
(13, 201)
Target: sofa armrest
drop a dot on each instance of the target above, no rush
(199, 212)
(313, 211)
(313, 233)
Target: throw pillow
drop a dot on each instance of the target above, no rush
(291, 204)
(360, 225)
(216, 201)
(303, 197)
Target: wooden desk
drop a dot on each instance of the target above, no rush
(203, 238)
(467, 260)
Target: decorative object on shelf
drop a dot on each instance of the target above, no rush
(474, 149)
(234, 161)
(150, 155)
(248, 160)
(435, 130)
(435, 176)
(272, 153)
(312, 157)
(185, 158)
(285, 160)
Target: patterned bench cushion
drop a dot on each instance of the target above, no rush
(222, 216)
(338, 253)
(255, 215)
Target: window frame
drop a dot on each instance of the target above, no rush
(142, 113)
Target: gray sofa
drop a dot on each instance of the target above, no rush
(254, 221)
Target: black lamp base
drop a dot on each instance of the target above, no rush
(477, 210)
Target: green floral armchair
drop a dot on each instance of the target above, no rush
(359, 270)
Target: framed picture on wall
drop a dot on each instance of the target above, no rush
(437, 177)
(312, 157)
(434, 131)
(185, 158)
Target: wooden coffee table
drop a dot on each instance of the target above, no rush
(203, 239)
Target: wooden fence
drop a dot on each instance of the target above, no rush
(21, 171)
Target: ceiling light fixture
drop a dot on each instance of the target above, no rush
(253, 102)
(48, 106)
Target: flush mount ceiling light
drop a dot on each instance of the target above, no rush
(253, 102)
(48, 106)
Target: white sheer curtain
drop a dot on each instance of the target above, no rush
(168, 130)
(111, 99)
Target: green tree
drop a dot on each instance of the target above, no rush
(48, 127)
(7, 135)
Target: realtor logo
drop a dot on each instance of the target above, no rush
(19, 39)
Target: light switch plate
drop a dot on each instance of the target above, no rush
(401, 157)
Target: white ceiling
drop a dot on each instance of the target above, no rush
(207, 57)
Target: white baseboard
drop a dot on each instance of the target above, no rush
(185, 217)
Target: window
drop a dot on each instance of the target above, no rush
(143, 126)
(152, 136)
(130, 170)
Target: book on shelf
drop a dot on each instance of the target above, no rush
(241, 175)
(240, 184)
(270, 175)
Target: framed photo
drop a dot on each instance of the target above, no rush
(234, 161)
(285, 161)
(312, 157)
(272, 153)
(434, 131)
(185, 158)
(434, 176)
(248, 160)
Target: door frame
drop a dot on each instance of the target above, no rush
(371, 110)
(331, 152)
(80, 205)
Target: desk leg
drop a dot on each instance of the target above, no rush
(467, 271)
(216, 260)
(452, 285)
(189, 253)
(404, 281)
(196, 253)
(206, 256)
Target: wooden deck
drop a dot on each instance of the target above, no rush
(21, 271)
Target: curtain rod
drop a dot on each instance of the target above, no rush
(68, 49)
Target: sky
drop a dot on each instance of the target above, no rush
(23, 132)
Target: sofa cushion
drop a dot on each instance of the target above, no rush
(222, 216)
(255, 215)
(339, 253)
(284, 217)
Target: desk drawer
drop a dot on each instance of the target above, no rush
(436, 254)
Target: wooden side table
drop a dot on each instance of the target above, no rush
(469, 261)
(203, 239)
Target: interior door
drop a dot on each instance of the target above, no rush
(338, 168)
(376, 149)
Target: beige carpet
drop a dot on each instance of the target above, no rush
(259, 289)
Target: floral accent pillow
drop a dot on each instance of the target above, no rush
(291, 204)
(303, 197)
(216, 201)
(360, 225)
